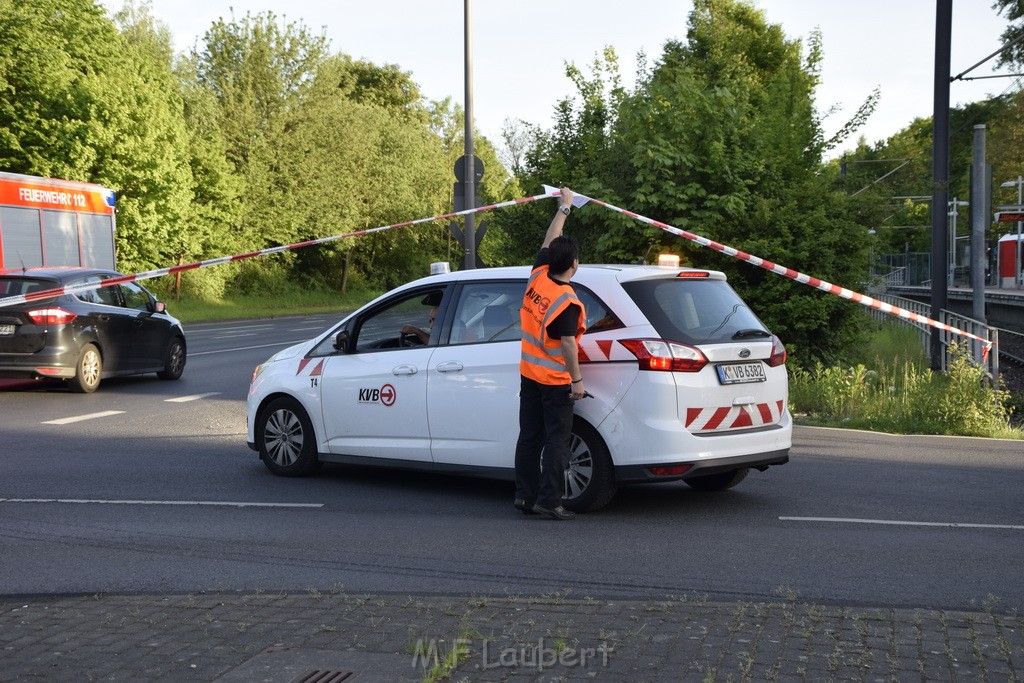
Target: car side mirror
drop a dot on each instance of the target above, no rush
(159, 307)
(341, 342)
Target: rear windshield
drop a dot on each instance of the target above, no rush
(15, 286)
(695, 311)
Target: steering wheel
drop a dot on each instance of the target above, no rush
(408, 340)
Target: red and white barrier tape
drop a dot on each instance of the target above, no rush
(549, 192)
(800, 277)
(110, 282)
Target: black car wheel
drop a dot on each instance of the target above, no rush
(718, 482)
(590, 477)
(174, 360)
(88, 371)
(285, 439)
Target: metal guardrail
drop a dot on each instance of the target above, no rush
(896, 278)
(975, 327)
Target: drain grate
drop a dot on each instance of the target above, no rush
(323, 676)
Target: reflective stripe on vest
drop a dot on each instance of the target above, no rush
(541, 358)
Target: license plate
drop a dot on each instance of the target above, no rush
(739, 373)
(6, 330)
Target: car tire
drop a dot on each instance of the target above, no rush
(88, 371)
(590, 477)
(718, 482)
(174, 360)
(285, 439)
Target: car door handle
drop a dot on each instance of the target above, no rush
(104, 318)
(404, 370)
(450, 366)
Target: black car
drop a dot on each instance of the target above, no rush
(85, 337)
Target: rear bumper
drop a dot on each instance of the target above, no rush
(31, 372)
(640, 474)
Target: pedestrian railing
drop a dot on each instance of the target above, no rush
(989, 360)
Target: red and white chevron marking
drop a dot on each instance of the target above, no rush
(733, 417)
(602, 350)
(799, 277)
(74, 289)
(315, 372)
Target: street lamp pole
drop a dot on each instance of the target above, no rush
(940, 169)
(469, 256)
(954, 213)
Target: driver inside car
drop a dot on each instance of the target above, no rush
(421, 334)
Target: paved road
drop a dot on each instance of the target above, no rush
(854, 519)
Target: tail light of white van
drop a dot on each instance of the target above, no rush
(665, 356)
(778, 356)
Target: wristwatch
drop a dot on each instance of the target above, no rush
(564, 209)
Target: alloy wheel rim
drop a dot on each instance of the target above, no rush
(283, 437)
(91, 368)
(177, 358)
(580, 471)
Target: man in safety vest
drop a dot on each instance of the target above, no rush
(553, 320)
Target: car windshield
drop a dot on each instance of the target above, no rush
(695, 311)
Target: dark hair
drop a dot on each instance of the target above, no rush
(562, 252)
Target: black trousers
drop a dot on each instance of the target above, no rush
(545, 425)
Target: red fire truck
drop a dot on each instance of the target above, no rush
(49, 222)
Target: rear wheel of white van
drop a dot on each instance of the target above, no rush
(718, 482)
(590, 477)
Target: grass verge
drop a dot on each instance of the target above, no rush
(190, 310)
(890, 388)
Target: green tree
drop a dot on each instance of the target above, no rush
(1014, 11)
(85, 101)
(259, 70)
(720, 137)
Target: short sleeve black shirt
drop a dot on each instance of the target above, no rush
(565, 324)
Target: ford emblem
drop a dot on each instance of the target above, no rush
(744, 353)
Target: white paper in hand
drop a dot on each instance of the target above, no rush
(578, 200)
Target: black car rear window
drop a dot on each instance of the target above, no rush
(694, 311)
(16, 286)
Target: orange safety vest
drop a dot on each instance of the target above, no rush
(544, 300)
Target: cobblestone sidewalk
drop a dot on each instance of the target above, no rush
(279, 637)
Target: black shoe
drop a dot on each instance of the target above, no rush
(525, 505)
(559, 513)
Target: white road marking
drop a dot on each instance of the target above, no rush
(193, 397)
(247, 348)
(80, 418)
(895, 522)
(305, 329)
(218, 328)
(233, 335)
(211, 503)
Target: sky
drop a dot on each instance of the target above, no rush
(519, 49)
